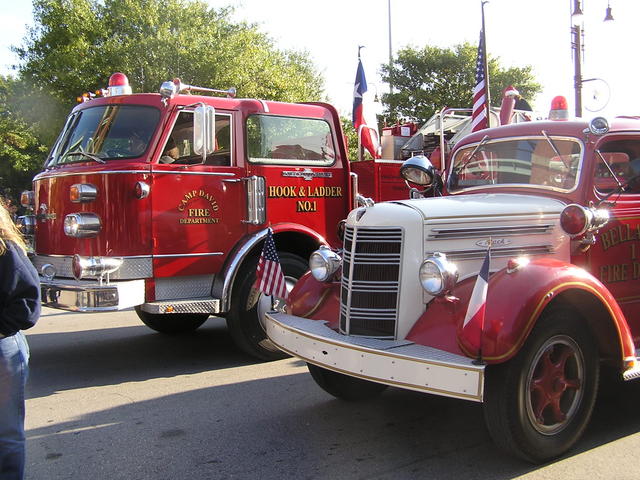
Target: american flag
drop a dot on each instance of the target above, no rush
(479, 113)
(473, 324)
(269, 277)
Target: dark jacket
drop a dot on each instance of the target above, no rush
(19, 291)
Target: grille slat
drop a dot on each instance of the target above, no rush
(371, 264)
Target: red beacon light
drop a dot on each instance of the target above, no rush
(118, 85)
(559, 109)
(578, 220)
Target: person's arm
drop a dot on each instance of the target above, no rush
(19, 292)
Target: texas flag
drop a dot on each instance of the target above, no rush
(369, 139)
(473, 325)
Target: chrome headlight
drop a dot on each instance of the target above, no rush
(26, 224)
(82, 225)
(323, 263)
(437, 275)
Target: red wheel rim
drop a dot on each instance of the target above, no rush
(555, 384)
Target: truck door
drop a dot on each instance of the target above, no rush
(305, 178)
(198, 207)
(615, 258)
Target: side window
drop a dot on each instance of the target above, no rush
(618, 164)
(289, 140)
(179, 146)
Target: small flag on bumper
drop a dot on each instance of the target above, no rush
(269, 277)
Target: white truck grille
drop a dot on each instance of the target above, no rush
(371, 281)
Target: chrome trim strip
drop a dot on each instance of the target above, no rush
(224, 281)
(497, 252)
(501, 231)
(58, 174)
(189, 172)
(178, 255)
(146, 172)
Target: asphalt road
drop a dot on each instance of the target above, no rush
(110, 399)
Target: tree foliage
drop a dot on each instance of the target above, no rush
(20, 150)
(429, 79)
(76, 44)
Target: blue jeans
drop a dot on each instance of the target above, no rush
(14, 358)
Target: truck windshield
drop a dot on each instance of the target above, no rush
(105, 133)
(546, 162)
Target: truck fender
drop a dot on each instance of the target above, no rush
(316, 300)
(247, 246)
(516, 299)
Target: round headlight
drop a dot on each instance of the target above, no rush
(437, 275)
(323, 263)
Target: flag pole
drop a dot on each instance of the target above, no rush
(479, 360)
(486, 66)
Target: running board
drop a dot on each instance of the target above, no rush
(634, 372)
(188, 305)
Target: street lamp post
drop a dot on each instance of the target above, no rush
(577, 47)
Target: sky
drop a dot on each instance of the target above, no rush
(518, 32)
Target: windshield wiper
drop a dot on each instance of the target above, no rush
(613, 175)
(484, 140)
(553, 145)
(91, 156)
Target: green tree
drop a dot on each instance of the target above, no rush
(21, 153)
(429, 79)
(76, 44)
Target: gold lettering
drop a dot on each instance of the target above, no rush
(306, 206)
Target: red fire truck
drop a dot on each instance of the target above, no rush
(553, 209)
(162, 201)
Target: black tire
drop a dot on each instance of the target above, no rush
(172, 323)
(537, 405)
(343, 386)
(247, 306)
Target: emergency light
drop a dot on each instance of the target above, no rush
(118, 85)
(559, 109)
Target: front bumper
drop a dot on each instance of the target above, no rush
(90, 296)
(398, 363)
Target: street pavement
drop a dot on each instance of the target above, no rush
(110, 399)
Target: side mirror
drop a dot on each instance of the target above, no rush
(420, 171)
(204, 137)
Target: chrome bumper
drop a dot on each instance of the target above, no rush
(398, 363)
(90, 296)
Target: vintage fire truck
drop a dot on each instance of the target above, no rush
(554, 208)
(162, 201)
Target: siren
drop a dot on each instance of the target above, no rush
(509, 97)
(175, 86)
(118, 85)
(559, 109)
